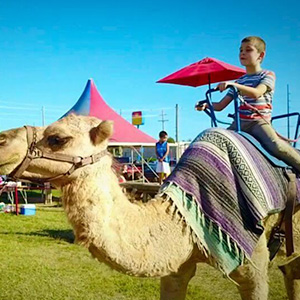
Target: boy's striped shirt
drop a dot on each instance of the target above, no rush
(264, 103)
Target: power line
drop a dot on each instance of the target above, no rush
(121, 110)
(18, 108)
(27, 106)
(163, 120)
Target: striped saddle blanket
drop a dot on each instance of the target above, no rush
(224, 187)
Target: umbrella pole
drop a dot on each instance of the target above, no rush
(209, 87)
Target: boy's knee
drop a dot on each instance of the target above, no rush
(277, 148)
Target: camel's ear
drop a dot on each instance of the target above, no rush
(102, 132)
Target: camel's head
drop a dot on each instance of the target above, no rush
(13, 148)
(71, 137)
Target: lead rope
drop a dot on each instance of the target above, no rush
(254, 109)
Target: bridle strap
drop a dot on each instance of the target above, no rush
(31, 141)
(254, 109)
(288, 213)
(35, 153)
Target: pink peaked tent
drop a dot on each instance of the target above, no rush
(91, 103)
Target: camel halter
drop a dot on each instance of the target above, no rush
(35, 153)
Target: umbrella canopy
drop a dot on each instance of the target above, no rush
(206, 71)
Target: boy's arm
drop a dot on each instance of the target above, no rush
(167, 152)
(253, 92)
(156, 151)
(218, 106)
(157, 156)
(267, 83)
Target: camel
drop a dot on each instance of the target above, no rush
(140, 239)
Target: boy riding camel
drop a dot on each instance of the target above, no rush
(256, 89)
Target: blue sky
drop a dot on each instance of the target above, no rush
(49, 49)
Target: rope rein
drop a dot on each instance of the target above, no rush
(254, 109)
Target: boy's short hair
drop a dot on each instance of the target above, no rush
(257, 42)
(163, 134)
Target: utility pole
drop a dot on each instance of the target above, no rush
(163, 120)
(43, 116)
(288, 109)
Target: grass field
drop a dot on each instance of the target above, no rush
(40, 261)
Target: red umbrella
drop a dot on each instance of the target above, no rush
(206, 71)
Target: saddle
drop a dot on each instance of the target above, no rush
(284, 230)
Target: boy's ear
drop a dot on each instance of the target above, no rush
(262, 55)
(102, 132)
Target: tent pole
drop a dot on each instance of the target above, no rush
(143, 168)
(132, 171)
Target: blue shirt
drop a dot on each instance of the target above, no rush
(161, 149)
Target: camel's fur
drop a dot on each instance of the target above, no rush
(149, 239)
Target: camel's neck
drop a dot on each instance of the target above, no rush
(140, 239)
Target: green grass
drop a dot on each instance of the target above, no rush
(40, 261)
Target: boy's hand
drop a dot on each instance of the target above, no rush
(201, 107)
(223, 86)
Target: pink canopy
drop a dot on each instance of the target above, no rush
(91, 103)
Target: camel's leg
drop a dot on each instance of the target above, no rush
(252, 280)
(291, 273)
(174, 287)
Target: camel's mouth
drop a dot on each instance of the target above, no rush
(3, 164)
(8, 165)
(5, 169)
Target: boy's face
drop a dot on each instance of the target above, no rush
(249, 55)
(163, 139)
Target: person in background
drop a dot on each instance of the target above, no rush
(3, 178)
(162, 153)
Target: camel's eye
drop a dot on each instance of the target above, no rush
(2, 139)
(55, 140)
